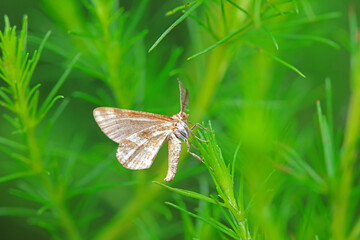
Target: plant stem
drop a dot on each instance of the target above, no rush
(125, 219)
(218, 63)
(341, 194)
(56, 196)
(29, 124)
(112, 53)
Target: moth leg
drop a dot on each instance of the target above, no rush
(202, 140)
(193, 146)
(199, 126)
(190, 130)
(174, 148)
(193, 154)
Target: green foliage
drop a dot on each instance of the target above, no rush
(224, 183)
(281, 149)
(16, 69)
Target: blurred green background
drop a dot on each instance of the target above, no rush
(278, 81)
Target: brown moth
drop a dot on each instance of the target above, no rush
(140, 134)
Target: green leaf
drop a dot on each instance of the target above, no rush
(355, 232)
(12, 120)
(286, 64)
(33, 62)
(32, 91)
(54, 117)
(33, 104)
(28, 194)
(220, 41)
(7, 24)
(302, 168)
(223, 15)
(186, 219)
(272, 37)
(177, 22)
(230, 219)
(327, 142)
(5, 105)
(329, 110)
(296, 6)
(14, 155)
(93, 189)
(190, 194)
(166, 69)
(136, 16)
(239, 8)
(181, 7)
(14, 176)
(21, 49)
(49, 100)
(4, 96)
(52, 102)
(308, 10)
(305, 21)
(95, 173)
(12, 144)
(18, 212)
(88, 98)
(211, 221)
(310, 38)
(204, 26)
(233, 164)
(257, 13)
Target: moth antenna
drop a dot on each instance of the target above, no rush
(185, 101)
(184, 97)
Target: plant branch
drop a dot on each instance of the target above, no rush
(342, 193)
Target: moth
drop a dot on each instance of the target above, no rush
(140, 135)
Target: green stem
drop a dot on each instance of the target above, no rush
(13, 60)
(218, 63)
(57, 197)
(241, 221)
(124, 220)
(36, 164)
(341, 194)
(112, 53)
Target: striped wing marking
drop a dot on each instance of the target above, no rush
(139, 150)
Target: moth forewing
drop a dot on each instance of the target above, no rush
(118, 124)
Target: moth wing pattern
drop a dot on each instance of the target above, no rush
(139, 150)
(119, 124)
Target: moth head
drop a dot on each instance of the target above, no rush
(183, 116)
(181, 130)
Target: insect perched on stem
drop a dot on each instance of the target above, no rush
(140, 134)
